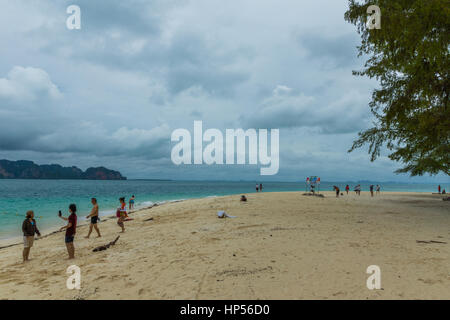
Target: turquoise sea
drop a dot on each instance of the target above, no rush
(46, 197)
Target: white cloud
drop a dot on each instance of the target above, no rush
(28, 84)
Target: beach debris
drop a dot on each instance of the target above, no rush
(431, 241)
(314, 195)
(106, 246)
(149, 219)
(446, 199)
(223, 214)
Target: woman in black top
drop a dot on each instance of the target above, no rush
(29, 229)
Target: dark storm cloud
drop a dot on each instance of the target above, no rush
(331, 51)
(286, 108)
(130, 36)
(35, 117)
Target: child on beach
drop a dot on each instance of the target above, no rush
(121, 213)
(94, 219)
(71, 229)
(29, 229)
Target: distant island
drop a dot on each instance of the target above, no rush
(24, 169)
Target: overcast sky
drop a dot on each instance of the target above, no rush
(112, 93)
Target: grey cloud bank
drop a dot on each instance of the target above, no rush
(112, 93)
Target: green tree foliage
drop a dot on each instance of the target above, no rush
(409, 57)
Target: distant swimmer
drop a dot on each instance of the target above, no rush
(29, 229)
(94, 219)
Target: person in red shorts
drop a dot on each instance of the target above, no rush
(71, 229)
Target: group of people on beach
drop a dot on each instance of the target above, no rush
(30, 229)
(357, 190)
(259, 187)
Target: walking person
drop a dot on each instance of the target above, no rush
(260, 187)
(347, 188)
(94, 219)
(131, 202)
(121, 214)
(358, 189)
(378, 189)
(71, 229)
(257, 187)
(29, 229)
(371, 190)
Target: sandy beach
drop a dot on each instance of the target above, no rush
(279, 246)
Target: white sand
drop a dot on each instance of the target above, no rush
(280, 246)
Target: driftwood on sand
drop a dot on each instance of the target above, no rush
(431, 241)
(106, 246)
(314, 195)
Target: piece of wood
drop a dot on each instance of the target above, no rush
(106, 246)
(431, 241)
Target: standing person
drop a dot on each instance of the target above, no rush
(121, 213)
(29, 229)
(371, 190)
(358, 189)
(337, 191)
(71, 229)
(260, 187)
(347, 188)
(378, 189)
(257, 187)
(439, 188)
(94, 219)
(131, 202)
